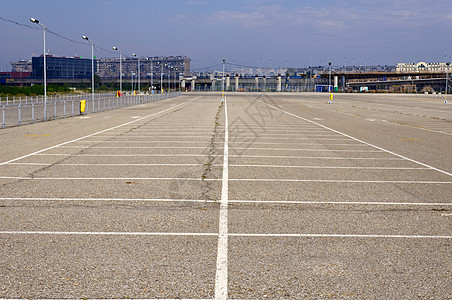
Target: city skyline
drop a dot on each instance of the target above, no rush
(265, 33)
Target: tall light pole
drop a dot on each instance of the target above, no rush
(161, 79)
(139, 89)
(33, 20)
(92, 67)
(222, 82)
(329, 77)
(120, 68)
(447, 81)
(169, 79)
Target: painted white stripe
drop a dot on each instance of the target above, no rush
(326, 167)
(340, 203)
(310, 235)
(109, 199)
(269, 202)
(254, 142)
(356, 139)
(340, 181)
(152, 136)
(112, 178)
(217, 165)
(115, 165)
(316, 150)
(231, 179)
(123, 155)
(112, 147)
(207, 141)
(236, 148)
(218, 295)
(110, 233)
(221, 278)
(317, 157)
(96, 133)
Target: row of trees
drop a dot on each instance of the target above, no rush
(34, 90)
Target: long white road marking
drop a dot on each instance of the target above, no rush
(233, 179)
(221, 278)
(96, 133)
(356, 139)
(313, 235)
(219, 295)
(112, 233)
(252, 202)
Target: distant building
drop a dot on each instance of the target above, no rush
(62, 67)
(422, 67)
(149, 66)
(21, 66)
(11, 77)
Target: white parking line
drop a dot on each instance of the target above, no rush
(356, 139)
(310, 235)
(122, 155)
(114, 164)
(230, 179)
(327, 167)
(221, 277)
(108, 178)
(316, 157)
(376, 203)
(96, 133)
(107, 199)
(111, 233)
(252, 202)
(222, 293)
(123, 147)
(340, 181)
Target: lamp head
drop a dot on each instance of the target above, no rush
(133, 54)
(33, 20)
(115, 48)
(85, 37)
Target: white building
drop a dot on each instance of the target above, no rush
(422, 67)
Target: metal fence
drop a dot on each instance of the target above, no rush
(27, 110)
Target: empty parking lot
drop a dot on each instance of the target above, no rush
(262, 195)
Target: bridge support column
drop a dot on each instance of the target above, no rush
(182, 84)
(193, 84)
(228, 82)
(236, 82)
(256, 81)
(278, 83)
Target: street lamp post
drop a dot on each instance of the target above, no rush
(33, 20)
(139, 89)
(161, 78)
(447, 81)
(120, 68)
(169, 79)
(329, 77)
(92, 67)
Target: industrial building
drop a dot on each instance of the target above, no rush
(175, 66)
(63, 67)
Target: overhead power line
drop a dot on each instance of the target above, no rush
(56, 34)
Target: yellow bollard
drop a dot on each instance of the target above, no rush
(82, 106)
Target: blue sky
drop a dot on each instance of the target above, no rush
(271, 33)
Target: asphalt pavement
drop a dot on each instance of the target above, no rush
(278, 195)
